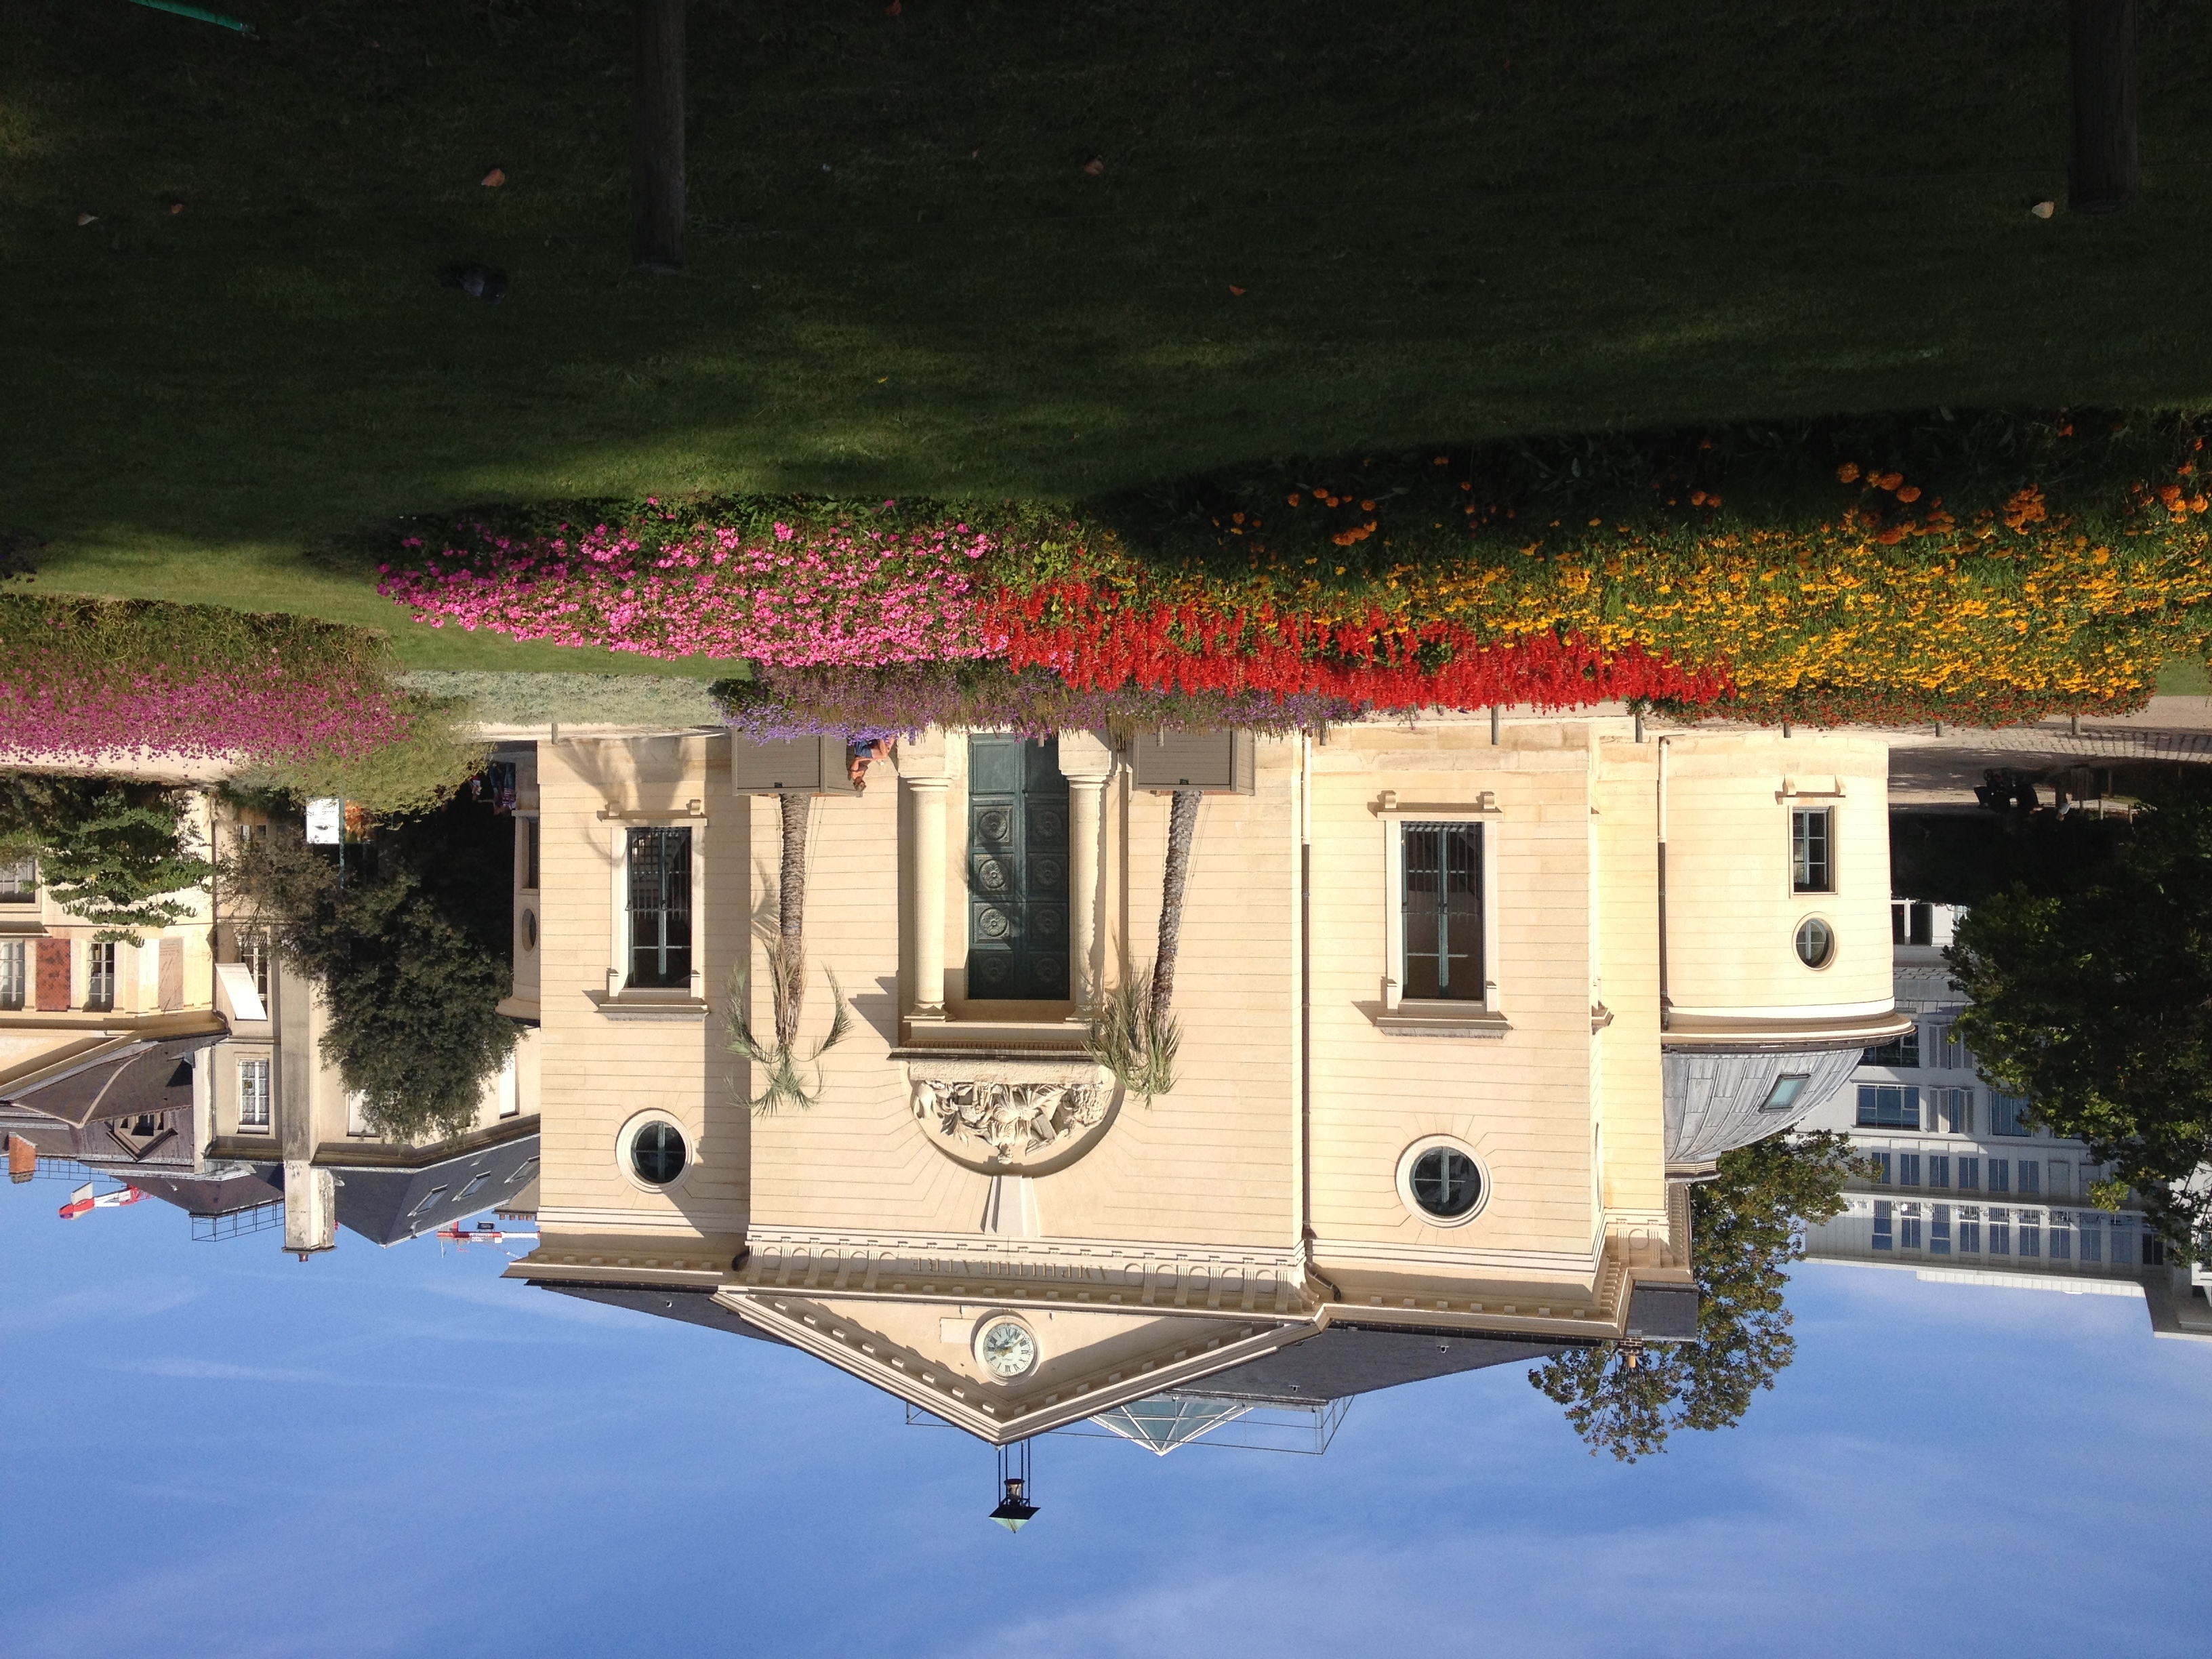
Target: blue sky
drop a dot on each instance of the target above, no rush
(213, 1449)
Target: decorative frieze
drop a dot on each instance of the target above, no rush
(1011, 1121)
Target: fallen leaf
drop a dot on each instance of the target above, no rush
(976, 154)
(87, 218)
(1094, 167)
(2043, 210)
(176, 207)
(1237, 291)
(494, 179)
(882, 380)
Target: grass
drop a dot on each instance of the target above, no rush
(1451, 222)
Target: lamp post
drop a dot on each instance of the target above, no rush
(1015, 1510)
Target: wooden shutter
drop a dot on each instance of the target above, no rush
(53, 987)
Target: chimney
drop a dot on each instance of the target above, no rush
(22, 1159)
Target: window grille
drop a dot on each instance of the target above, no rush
(660, 908)
(15, 973)
(1812, 854)
(1443, 916)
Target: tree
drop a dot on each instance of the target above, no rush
(1135, 1036)
(119, 854)
(2094, 1001)
(409, 951)
(784, 1077)
(1747, 1227)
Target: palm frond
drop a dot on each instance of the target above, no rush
(1136, 1039)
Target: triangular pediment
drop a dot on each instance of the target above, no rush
(1080, 1361)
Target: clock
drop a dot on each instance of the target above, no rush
(1006, 1348)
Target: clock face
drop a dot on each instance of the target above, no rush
(1006, 1349)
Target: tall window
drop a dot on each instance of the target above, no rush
(1939, 1230)
(2000, 1175)
(1881, 1167)
(2061, 1237)
(2092, 1241)
(1812, 849)
(1902, 1052)
(15, 972)
(252, 1094)
(529, 854)
(2031, 1175)
(1911, 923)
(1443, 912)
(1908, 1169)
(254, 951)
(1955, 1109)
(99, 976)
(1952, 1055)
(1885, 1236)
(1970, 1231)
(1939, 1170)
(2007, 1114)
(1888, 1106)
(19, 881)
(2000, 1232)
(660, 908)
(1908, 1226)
(1970, 1174)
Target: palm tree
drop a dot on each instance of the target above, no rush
(1135, 1036)
(787, 1084)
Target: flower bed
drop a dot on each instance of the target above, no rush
(90, 680)
(791, 592)
(1817, 574)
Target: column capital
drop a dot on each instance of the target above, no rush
(922, 760)
(1085, 758)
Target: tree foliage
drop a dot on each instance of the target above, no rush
(409, 951)
(119, 854)
(2093, 996)
(1747, 1227)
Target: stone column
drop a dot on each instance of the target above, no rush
(921, 770)
(1086, 763)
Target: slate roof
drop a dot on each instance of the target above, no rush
(691, 1305)
(148, 1077)
(386, 1206)
(1713, 1099)
(1350, 1358)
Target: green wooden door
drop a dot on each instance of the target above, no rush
(1016, 870)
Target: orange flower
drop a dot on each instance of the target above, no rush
(1909, 494)
(1848, 472)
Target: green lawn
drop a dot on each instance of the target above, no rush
(1453, 219)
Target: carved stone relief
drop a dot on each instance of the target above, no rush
(1009, 1122)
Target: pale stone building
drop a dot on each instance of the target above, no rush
(1970, 1190)
(1463, 1008)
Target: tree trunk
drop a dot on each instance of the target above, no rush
(2101, 169)
(791, 918)
(656, 186)
(1182, 824)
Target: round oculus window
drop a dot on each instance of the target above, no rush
(1006, 1348)
(530, 930)
(1446, 1183)
(657, 1153)
(1816, 942)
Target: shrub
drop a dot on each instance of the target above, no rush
(415, 773)
(99, 680)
